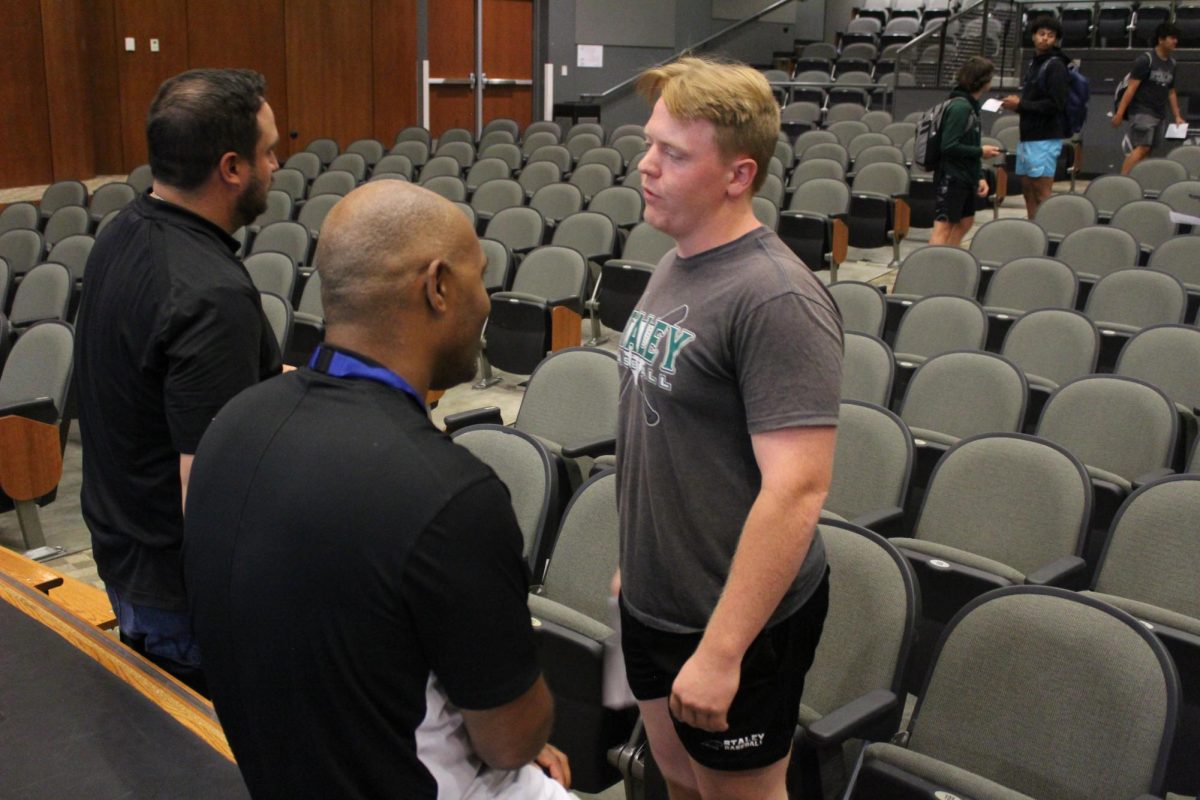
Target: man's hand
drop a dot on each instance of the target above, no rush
(982, 191)
(1010, 103)
(704, 690)
(991, 151)
(554, 762)
(1117, 119)
(1180, 120)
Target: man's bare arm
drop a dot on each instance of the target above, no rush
(512, 735)
(796, 465)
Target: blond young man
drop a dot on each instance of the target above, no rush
(730, 376)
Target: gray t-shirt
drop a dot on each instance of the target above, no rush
(738, 340)
(1157, 76)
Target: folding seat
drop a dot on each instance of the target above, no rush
(1063, 213)
(591, 178)
(451, 135)
(1035, 692)
(900, 31)
(922, 193)
(312, 214)
(1076, 20)
(45, 294)
(72, 252)
(34, 387)
(804, 114)
(140, 178)
(487, 169)
(59, 195)
(280, 206)
(509, 153)
(67, 221)
(1154, 175)
(1003, 121)
(536, 139)
(629, 147)
(290, 181)
(874, 9)
(852, 691)
(501, 124)
(819, 50)
(1025, 284)
(538, 174)
(632, 177)
(864, 140)
(629, 129)
(876, 121)
(105, 220)
(272, 272)
(871, 467)
(557, 201)
(308, 323)
(110, 197)
(493, 138)
(324, 149)
(589, 128)
(415, 151)
(1094, 252)
(1187, 17)
(877, 154)
(396, 165)
(814, 224)
(826, 150)
(868, 368)
(533, 477)
(772, 189)
(1189, 156)
(936, 269)
(1183, 197)
(1128, 300)
(440, 166)
(1166, 356)
(521, 229)
(19, 215)
(777, 78)
(1148, 220)
(646, 245)
(1009, 138)
(862, 29)
(1148, 17)
(1123, 430)
(290, 238)
(592, 234)
(765, 212)
(414, 133)
(580, 143)
(1051, 346)
(810, 138)
(1002, 240)
(816, 168)
(461, 152)
(846, 130)
(467, 212)
(846, 64)
(554, 153)
(278, 313)
(861, 50)
(622, 280)
(935, 9)
(542, 126)
(879, 207)
(21, 248)
(785, 154)
(498, 272)
(933, 325)
(621, 204)
(854, 86)
(496, 195)
(450, 187)
(1180, 256)
(610, 157)
(371, 150)
(333, 181)
(1113, 26)
(861, 305)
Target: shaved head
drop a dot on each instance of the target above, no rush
(375, 244)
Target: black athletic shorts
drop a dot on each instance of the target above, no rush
(762, 718)
(954, 200)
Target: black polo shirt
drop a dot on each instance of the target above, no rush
(348, 569)
(170, 327)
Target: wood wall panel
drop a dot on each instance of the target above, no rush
(394, 54)
(141, 71)
(329, 65)
(233, 33)
(106, 89)
(451, 51)
(67, 41)
(24, 123)
(508, 53)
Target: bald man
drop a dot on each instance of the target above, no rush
(355, 578)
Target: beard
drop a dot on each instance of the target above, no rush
(250, 203)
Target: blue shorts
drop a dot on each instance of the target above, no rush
(1038, 159)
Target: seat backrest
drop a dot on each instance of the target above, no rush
(140, 178)
(530, 474)
(827, 196)
(879, 154)
(557, 200)
(333, 181)
(804, 110)
(585, 552)
(628, 129)
(109, 197)
(1110, 192)
(1183, 196)
(278, 313)
(272, 272)
(507, 152)
(290, 181)
(1152, 555)
(647, 244)
(310, 298)
(21, 248)
(816, 168)
(533, 141)
(495, 137)
(538, 174)
(1156, 174)
(279, 207)
(1024, 284)
(39, 365)
(621, 204)
(580, 143)
(324, 149)
(765, 212)
(591, 233)
(486, 169)
(571, 397)
(19, 215)
(414, 133)
(459, 135)
(840, 112)
(607, 156)
(846, 130)
(581, 128)
(439, 166)
(496, 195)
(1002, 240)
(312, 215)
(1167, 357)
(552, 272)
(1138, 298)
(772, 189)
(44, 294)
(872, 461)
(1179, 256)
(67, 221)
(1056, 344)
(1004, 121)
(900, 132)
(288, 237)
(502, 124)
(869, 626)
(499, 264)
(867, 369)
(877, 120)
(862, 306)
(1010, 498)
(542, 126)
(940, 323)
(1116, 424)
(61, 194)
(1148, 220)
(72, 252)
(1023, 667)
(448, 186)
(415, 151)
(1098, 250)
(938, 269)
(591, 178)
(1063, 213)
(810, 138)
(370, 149)
(965, 393)
(1189, 156)
(885, 179)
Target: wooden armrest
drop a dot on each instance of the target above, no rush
(565, 328)
(30, 457)
(902, 217)
(28, 571)
(85, 601)
(841, 241)
(1001, 183)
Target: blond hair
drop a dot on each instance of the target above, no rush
(735, 98)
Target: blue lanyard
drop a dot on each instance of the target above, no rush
(339, 364)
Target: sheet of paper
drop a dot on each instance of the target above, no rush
(589, 55)
(992, 104)
(1176, 131)
(1184, 219)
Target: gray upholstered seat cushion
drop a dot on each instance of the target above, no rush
(1152, 614)
(950, 777)
(547, 609)
(957, 556)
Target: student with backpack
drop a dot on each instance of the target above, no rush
(958, 174)
(1148, 90)
(1042, 105)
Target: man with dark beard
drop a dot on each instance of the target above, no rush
(170, 327)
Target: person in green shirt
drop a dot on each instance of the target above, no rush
(959, 175)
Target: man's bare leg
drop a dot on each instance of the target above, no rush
(765, 783)
(669, 753)
(1135, 155)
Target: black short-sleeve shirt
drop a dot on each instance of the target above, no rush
(341, 556)
(170, 327)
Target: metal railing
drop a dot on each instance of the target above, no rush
(624, 85)
(988, 28)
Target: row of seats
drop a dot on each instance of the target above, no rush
(1119, 24)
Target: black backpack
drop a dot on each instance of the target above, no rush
(927, 143)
